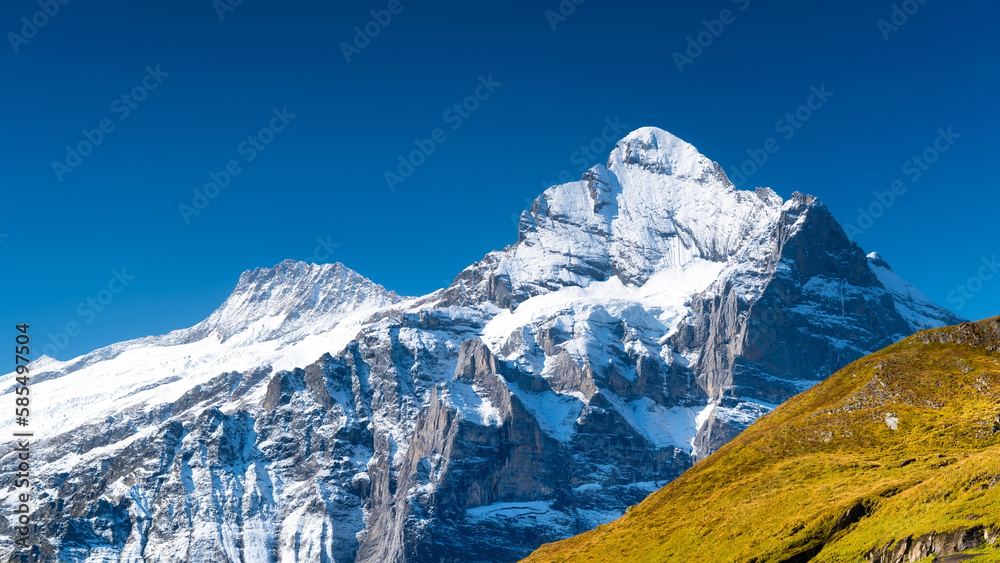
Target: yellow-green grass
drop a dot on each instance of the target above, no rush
(788, 484)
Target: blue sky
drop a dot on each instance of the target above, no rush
(179, 91)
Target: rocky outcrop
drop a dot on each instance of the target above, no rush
(911, 549)
(985, 333)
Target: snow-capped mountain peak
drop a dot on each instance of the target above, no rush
(280, 317)
(294, 293)
(911, 303)
(876, 259)
(662, 152)
(677, 205)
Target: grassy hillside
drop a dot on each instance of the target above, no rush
(900, 443)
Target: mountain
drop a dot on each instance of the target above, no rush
(645, 316)
(894, 458)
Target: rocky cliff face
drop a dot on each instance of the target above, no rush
(894, 458)
(645, 315)
(935, 544)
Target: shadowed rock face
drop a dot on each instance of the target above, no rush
(771, 347)
(646, 315)
(939, 544)
(455, 467)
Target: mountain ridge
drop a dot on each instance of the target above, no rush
(645, 315)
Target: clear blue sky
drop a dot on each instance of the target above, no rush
(323, 174)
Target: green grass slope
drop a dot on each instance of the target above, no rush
(825, 477)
